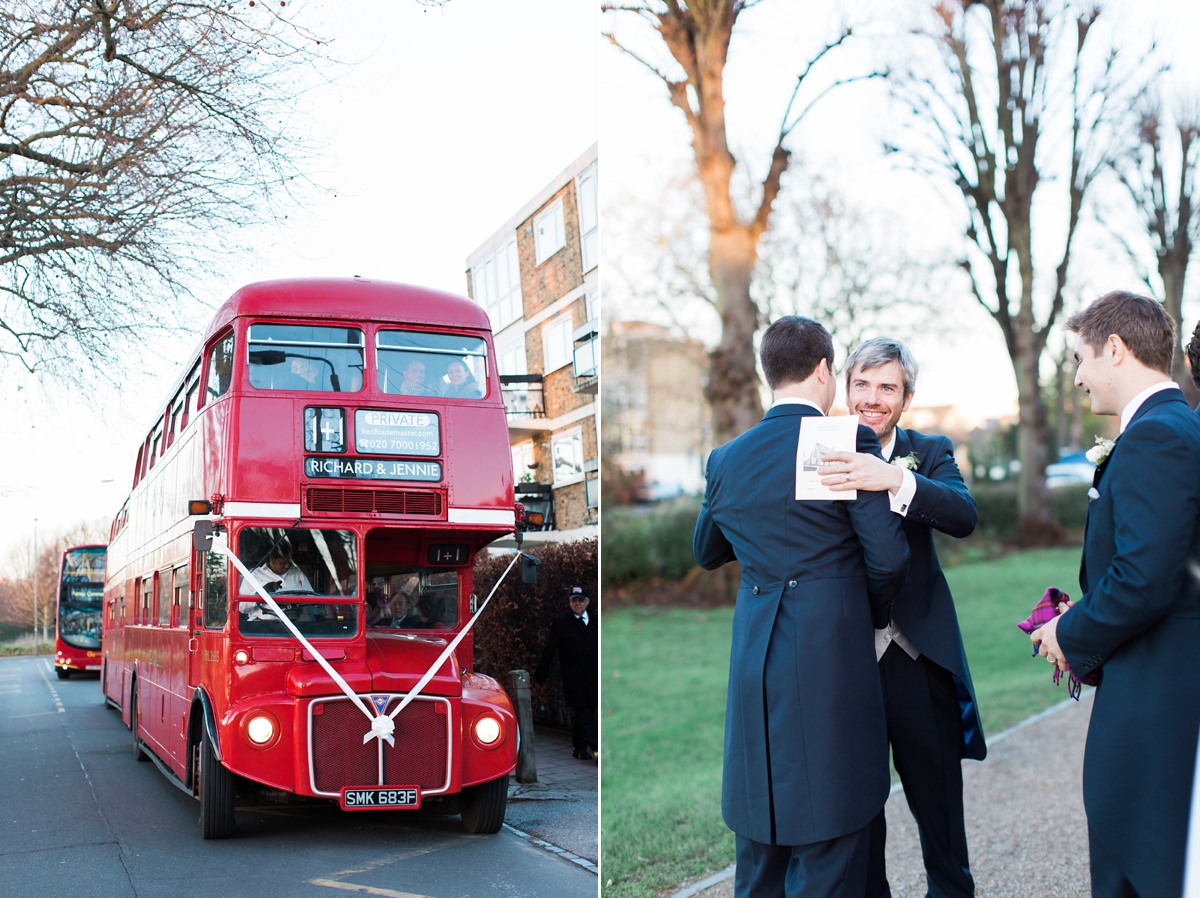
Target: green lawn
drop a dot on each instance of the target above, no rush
(664, 677)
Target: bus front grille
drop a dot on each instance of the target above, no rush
(415, 502)
(420, 757)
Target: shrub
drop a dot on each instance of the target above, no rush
(652, 543)
(511, 632)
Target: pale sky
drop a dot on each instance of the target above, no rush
(646, 143)
(446, 123)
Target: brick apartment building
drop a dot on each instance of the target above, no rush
(538, 278)
(656, 419)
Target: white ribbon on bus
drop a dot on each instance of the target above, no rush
(382, 725)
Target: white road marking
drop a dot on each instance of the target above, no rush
(370, 890)
(554, 849)
(53, 692)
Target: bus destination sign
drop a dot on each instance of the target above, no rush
(397, 433)
(371, 469)
(372, 798)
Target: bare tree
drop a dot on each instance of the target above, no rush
(1158, 169)
(829, 259)
(1015, 100)
(697, 34)
(135, 137)
(17, 598)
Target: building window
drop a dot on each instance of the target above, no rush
(556, 343)
(522, 459)
(589, 219)
(510, 355)
(549, 233)
(593, 493)
(567, 450)
(496, 282)
(592, 304)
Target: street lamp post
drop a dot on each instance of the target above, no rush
(35, 589)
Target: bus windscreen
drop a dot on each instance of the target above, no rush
(412, 363)
(80, 596)
(298, 567)
(305, 357)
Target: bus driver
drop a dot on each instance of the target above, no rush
(274, 574)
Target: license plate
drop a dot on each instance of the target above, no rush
(93, 667)
(374, 798)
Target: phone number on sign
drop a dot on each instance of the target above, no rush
(398, 445)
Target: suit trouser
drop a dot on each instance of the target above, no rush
(925, 730)
(835, 868)
(1107, 880)
(583, 728)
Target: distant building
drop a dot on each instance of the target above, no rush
(538, 278)
(656, 419)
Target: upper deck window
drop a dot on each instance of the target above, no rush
(412, 363)
(220, 368)
(304, 357)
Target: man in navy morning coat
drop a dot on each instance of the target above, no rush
(1137, 623)
(806, 767)
(932, 716)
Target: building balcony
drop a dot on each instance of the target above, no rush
(524, 402)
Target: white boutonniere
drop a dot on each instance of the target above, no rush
(1098, 453)
(908, 462)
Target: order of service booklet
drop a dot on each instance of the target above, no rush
(820, 436)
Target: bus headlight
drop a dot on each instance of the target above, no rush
(260, 729)
(487, 729)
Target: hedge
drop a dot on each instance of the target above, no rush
(654, 543)
(512, 630)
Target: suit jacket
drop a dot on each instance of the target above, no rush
(1138, 621)
(578, 658)
(805, 736)
(924, 612)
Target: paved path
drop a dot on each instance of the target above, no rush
(1025, 822)
(80, 817)
(562, 806)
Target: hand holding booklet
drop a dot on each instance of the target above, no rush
(819, 437)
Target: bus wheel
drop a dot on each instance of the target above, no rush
(139, 753)
(63, 673)
(217, 820)
(482, 806)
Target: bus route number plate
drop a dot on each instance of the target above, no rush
(375, 798)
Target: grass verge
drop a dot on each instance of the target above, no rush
(664, 673)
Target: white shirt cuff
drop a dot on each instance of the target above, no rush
(903, 497)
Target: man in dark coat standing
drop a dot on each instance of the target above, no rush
(573, 638)
(805, 768)
(1137, 623)
(933, 720)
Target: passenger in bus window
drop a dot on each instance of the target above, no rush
(308, 372)
(377, 603)
(462, 384)
(426, 617)
(413, 383)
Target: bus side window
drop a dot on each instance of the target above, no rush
(220, 368)
(164, 598)
(178, 605)
(121, 608)
(216, 597)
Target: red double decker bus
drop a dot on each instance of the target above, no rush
(346, 441)
(77, 628)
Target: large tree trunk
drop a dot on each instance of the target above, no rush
(1033, 437)
(733, 385)
(1172, 267)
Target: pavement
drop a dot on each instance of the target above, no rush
(562, 807)
(1026, 827)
